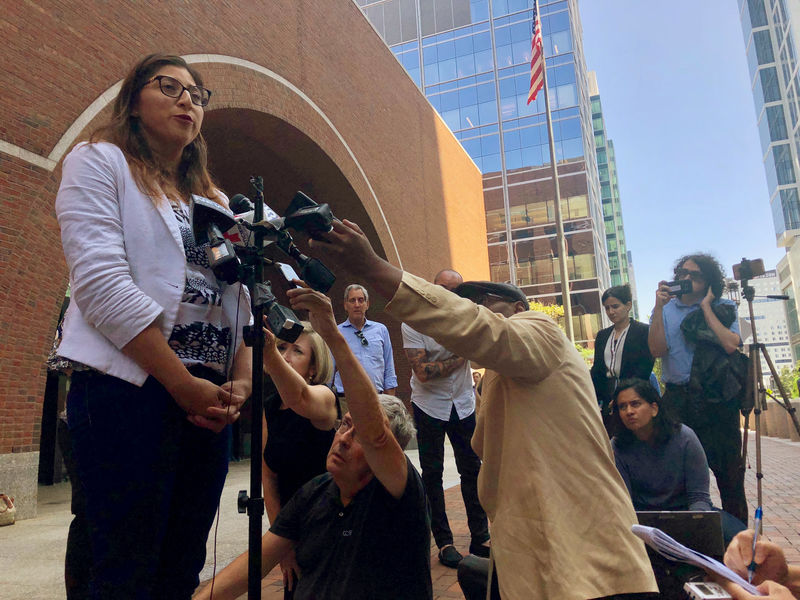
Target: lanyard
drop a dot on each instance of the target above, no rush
(616, 346)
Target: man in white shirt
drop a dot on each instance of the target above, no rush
(444, 403)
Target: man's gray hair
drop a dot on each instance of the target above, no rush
(355, 286)
(400, 421)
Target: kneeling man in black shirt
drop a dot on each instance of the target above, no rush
(361, 530)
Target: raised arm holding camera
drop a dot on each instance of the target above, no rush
(560, 513)
(362, 530)
(693, 330)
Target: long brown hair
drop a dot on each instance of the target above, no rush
(123, 130)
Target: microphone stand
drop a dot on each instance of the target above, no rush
(251, 271)
(254, 337)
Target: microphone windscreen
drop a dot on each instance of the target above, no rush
(240, 204)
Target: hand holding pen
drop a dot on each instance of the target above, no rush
(751, 568)
(768, 557)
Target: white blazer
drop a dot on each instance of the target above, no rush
(127, 266)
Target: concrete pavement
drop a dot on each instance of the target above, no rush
(32, 551)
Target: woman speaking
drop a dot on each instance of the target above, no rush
(152, 337)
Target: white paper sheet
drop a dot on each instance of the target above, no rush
(672, 550)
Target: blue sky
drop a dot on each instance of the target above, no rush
(677, 103)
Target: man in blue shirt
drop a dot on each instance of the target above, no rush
(369, 341)
(717, 423)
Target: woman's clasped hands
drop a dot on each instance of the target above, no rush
(212, 406)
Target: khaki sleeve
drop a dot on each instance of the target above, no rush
(528, 345)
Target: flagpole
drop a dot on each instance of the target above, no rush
(560, 241)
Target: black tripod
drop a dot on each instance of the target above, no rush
(756, 389)
(254, 337)
(212, 225)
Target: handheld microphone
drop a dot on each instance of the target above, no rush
(243, 210)
(209, 220)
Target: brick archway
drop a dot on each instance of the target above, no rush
(363, 138)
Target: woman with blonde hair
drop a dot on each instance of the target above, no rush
(298, 424)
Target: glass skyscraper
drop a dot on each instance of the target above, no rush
(770, 32)
(609, 190)
(770, 29)
(471, 58)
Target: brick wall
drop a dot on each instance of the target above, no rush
(312, 68)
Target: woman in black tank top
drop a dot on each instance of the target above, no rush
(298, 423)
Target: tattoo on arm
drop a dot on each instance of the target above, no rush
(426, 370)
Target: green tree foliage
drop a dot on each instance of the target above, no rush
(556, 312)
(788, 377)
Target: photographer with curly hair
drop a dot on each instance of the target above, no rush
(696, 334)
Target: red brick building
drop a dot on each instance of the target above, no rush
(304, 93)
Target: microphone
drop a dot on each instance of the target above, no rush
(209, 220)
(243, 210)
(240, 204)
(235, 227)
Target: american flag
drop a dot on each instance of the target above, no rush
(537, 55)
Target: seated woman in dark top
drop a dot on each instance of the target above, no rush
(620, 351)
(662, 462)
(298, 427)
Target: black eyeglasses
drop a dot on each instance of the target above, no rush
(173, 88)
(360, 335)
(693, 275)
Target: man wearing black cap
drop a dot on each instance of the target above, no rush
(501, 298)
(559, 511)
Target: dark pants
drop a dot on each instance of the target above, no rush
(717, 428)
(152, 482)
(78, 558)
(430, 439)
(473, 576)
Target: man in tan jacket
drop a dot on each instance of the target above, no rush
(560, 514)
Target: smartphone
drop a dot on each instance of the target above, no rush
(680, 287)
(706, 590)
(747, 269)
(288, 272)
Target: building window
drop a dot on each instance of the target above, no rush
(758, 14)
(777, 123)
(790, 205)
(763, 45)
(784, 169)
(769, 84)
